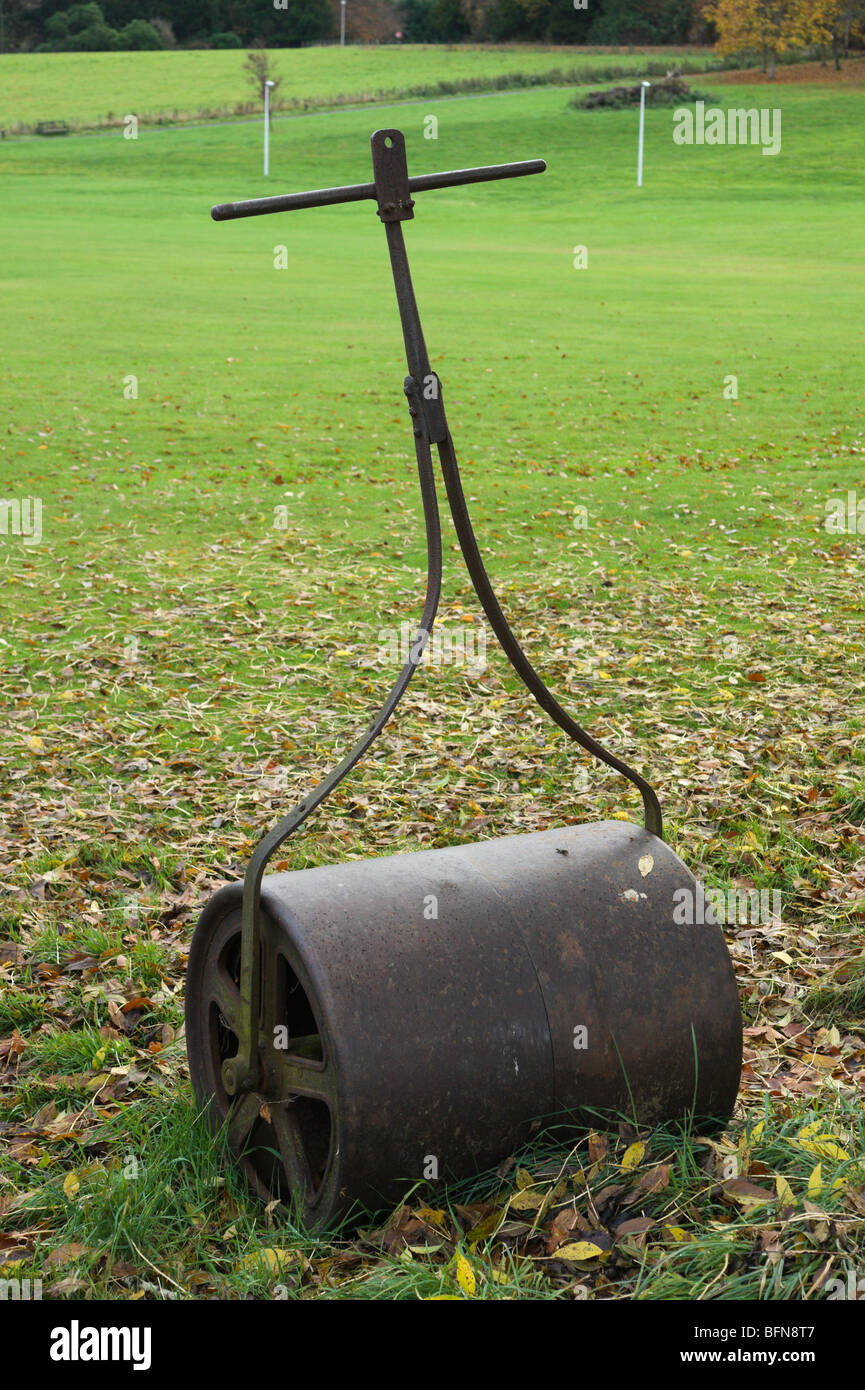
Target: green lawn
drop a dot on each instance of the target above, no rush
(92, 88)
(178, 669)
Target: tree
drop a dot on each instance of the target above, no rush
(368, 20)
(258, 69)
(80, 29)
(517, 19)
(72, 21)
(567, 25)
(772, 26)
(281, 23)
(434, 21)
(837, 20)
(450, 21)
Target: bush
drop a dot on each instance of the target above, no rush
(96, 38)
(226, 40)
(80, 29)
(72, 21)
(138, 34)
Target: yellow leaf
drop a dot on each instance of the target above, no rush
(98, 1059)
(746, 1140)
(784, 1191)
(812, 1128)
(432, 1215)
(579, 1250)
(824, 1145)
(523, 1179)
(485, 1228)
(633, 1156)
(35, 744)
(443, 1298)
(815, 1183)
(71, 1186)
(678, 1233)
(646, 864)
(465, 1275)
(275, 1261)
(527, 1201)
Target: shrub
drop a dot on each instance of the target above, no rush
(138, 34)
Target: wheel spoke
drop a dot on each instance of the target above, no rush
(242, 1117)
(226, 996)
(292, 1152)
(296, 1076)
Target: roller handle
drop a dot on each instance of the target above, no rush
(356, 192)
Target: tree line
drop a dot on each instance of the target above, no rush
(770, 26)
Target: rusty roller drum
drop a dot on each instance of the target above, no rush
(413, 1037)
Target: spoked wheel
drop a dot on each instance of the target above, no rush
(284, 1133)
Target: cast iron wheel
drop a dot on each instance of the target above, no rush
(284, 1133)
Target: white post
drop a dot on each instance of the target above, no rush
(643, 86)
(342, 22)
(267, 87)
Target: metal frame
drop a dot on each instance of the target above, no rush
(392, 190)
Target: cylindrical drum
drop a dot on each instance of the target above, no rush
(421, 1012)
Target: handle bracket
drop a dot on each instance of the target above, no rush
(395, 203)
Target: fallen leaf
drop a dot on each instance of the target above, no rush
(579, 1250)
(275, 1261)
(465, 1276)
(71, 1186)
(633, 1156)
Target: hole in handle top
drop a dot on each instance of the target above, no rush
(388, 140)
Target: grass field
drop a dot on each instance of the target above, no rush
(178, 667)
(98, 88)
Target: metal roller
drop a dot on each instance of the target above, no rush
(360, 1026)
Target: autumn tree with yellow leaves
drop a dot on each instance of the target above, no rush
(776, 26)
(840, 20)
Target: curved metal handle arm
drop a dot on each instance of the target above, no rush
(241, 1072)
(513, 650)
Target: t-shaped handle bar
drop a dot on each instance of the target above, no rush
(356, 192)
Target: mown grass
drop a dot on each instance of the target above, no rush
(178, 668)
(98, 89)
